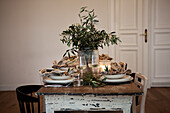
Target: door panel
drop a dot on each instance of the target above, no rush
(161, 64)
(129, 39)
(128, 14)
(162, 38)
(129, 56)
(161, 13)
(129, 27)
(160, 43)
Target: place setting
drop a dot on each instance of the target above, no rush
(116, 73)
(57, 78)
(61, 74)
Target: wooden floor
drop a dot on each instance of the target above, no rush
(157, 101)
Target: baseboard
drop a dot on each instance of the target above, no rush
(160, 84)
(7, 87)
(12, 87)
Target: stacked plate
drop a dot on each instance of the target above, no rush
(118, 78)
(58, 77)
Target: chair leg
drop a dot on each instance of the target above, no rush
(134, 104)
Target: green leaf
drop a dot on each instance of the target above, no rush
(107, 43)
(104, 79)
(112, 32)
(91, 11)
(96, 85)
(86, 10)
(73, 52)
(119, 40)
(69, 54)
(112, 42)
(90, 15)
(83, 8)
(76, 51)
(106, 68)
(68, 43)
(96, 20)
(64, 54)
(68, 69)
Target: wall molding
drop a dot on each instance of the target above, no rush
(160, 84)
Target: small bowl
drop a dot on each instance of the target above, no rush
(115, 76)
(59, 77)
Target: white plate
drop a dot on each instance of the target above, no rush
(49, 80)
(126, 78)
(59, 77)
(115, 76)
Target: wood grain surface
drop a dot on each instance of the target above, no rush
(122, 89)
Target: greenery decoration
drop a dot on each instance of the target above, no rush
(94, 81)
(85, 36)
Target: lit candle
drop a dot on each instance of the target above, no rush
(103, 64)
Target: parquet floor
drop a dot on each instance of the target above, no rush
(157, 101)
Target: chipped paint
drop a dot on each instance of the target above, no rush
(87, 103)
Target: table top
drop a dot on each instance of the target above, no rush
(121, 89)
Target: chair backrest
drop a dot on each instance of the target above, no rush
(141, 82)
(27, 99)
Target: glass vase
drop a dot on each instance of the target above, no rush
(88, 64)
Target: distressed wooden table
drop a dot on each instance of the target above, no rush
(86, 98)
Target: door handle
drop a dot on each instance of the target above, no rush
(145, 34)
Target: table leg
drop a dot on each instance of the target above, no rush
(49, 110)
(49, 104)
(127, 109)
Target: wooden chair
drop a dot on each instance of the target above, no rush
(141, 82)
(26, 98)
(28, 101)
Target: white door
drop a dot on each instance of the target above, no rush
(129, 18)
(160, 43)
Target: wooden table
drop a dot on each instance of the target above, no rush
(86, 98)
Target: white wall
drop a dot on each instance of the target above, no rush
(29, 35)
